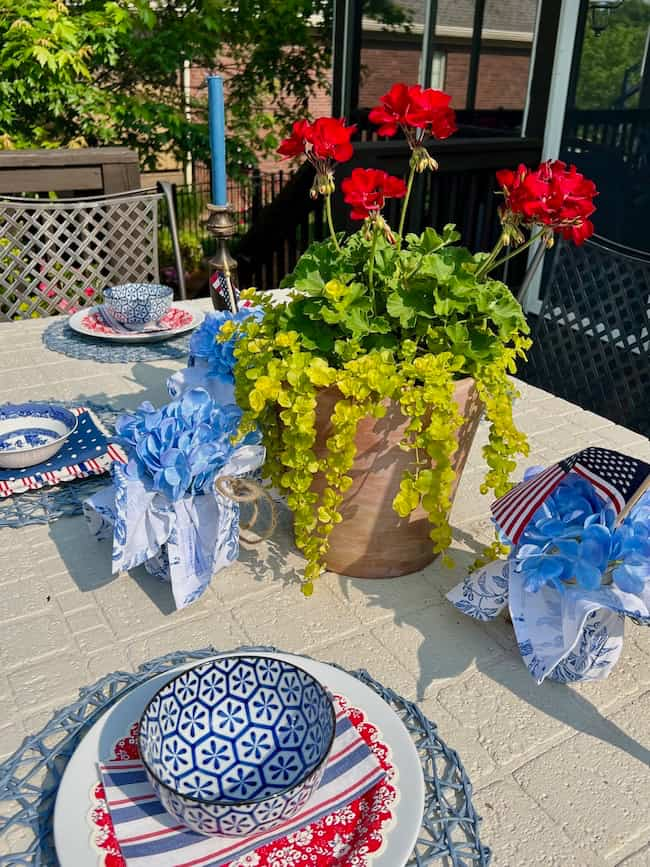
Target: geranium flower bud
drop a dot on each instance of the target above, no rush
(421, 160)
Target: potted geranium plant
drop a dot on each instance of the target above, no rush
(369, 383)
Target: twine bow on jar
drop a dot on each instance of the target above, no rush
(243, 490)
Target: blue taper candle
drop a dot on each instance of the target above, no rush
(217, 125)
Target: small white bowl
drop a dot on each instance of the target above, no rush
(32, 433)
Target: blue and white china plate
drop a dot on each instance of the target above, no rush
(72, 833)
(31, 433)
(90, 323)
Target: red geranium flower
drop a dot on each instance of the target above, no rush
(430, 109)
(367, 190)
(578, 232)
(294, 146)
(413, 107)
(327, 138)
(324, 142)
(391, 113)
(553, 195)
(330, 139)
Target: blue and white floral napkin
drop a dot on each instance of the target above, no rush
(576, 635)
(185, 541)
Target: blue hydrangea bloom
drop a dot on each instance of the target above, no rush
(573, 538)
(204, 343)
(179, 448)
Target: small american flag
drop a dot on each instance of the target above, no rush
(223, 286)
(617, 479)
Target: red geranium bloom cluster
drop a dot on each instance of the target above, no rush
(367, 190)
(327, 138)
(325, 141)
(554, 195)
(416, 111)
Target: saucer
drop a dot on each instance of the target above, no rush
(180, 318)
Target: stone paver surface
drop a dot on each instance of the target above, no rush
(561, 774)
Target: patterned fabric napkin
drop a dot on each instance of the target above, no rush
(150, 837)
(132, 327)
(185, 542)
(576, 635)
(87, 452)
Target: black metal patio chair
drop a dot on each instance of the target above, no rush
(591, 339)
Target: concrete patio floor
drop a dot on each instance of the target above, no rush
(561, 774)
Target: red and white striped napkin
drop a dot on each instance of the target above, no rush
(150, 837)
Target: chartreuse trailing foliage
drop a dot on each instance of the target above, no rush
(404, 328)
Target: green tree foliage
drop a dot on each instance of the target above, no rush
(98, 72)
(605, 58)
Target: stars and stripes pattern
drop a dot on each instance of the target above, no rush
(223, 286)
(17, 482)
(617, 478)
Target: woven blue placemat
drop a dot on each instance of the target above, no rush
(48, 504)
(59, 337)
(30, 777)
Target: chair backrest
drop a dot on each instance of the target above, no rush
(59, 255)
(591, 340)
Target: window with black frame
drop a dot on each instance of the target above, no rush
(607, 126)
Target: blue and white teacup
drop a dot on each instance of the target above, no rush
(138, 303)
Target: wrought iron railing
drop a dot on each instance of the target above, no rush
(247, 196)
(626, 131)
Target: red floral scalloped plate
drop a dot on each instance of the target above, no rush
(349, 837)
(178, 320)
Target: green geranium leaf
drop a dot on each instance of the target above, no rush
(435, 268)
(430, 241)
(399, 308)
(317, 265)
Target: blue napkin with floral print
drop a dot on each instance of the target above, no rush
(185, 542)
(163, 509)
(211, 362)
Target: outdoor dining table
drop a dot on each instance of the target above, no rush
(554, 769)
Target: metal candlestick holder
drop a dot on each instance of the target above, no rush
(223, 268)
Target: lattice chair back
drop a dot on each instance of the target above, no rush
(57, 256)
(591, 340)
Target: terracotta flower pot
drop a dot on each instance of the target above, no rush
(372, 541)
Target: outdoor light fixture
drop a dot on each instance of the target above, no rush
(599, 13)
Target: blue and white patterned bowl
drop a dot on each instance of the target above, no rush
(237, 745)
(31, 433)
(138, 303)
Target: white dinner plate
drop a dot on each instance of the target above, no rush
(72, 833)
(76, 322)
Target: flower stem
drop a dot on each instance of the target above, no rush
(485, 267)
(518, 250)
(371, 266)
(402, 219)
(330, 221)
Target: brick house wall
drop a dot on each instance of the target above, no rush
(502, 81)
(502, 78)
